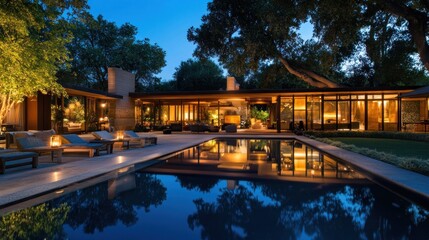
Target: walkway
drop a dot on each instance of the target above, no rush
(20, 185)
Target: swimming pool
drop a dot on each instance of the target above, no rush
(295, 202)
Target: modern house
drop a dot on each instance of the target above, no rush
(373, 109)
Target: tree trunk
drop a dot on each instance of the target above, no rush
(6, 104)
(417, 26)
(308, 76)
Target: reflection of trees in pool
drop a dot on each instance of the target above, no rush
(39, 222)
(237, 214)
(306, 210)
(198, 183)
(91, 207)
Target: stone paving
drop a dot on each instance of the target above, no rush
(17, 185)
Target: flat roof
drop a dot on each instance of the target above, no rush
(89, 92)
(262, 94)
(418, 93)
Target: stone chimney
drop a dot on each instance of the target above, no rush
(121, 111)
(231, 84)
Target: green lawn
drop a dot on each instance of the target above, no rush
(400, 148)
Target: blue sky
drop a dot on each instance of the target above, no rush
(163, 22)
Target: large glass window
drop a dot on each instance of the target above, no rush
(314, 113)
(358, 115)
(329, 115)
(299, 110)
(343, 114)
(374, 115)
(286, 113)
(390, 113)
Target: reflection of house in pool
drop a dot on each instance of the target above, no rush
(259, 157)
(122, 183)
(374, 109)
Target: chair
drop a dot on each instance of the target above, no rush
(144, 140)
(34, 144)
(74, 143)
(232, 128)
(105, 137)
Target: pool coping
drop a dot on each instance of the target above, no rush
(18, 187)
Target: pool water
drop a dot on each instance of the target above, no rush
(328, 203)
(153, 206)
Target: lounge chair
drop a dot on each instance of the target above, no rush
(106, 138)
(74, 143)
(34, 144)
(144, 140)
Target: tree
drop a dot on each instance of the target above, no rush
(383, 36)
(366, 34)
(32, 47)
(246, 33)
(38, 222)
(99, 44)
(199, 75)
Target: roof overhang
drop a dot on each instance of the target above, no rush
(260, 95)
(88, 92)
(422, 92)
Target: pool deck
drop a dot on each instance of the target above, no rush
(19, 185)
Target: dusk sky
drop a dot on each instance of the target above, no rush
(163, 22)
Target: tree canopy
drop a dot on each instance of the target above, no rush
(351, 40)
(32, 47)
(99, 44)
(199, 75)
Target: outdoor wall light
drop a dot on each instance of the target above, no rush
(103, 105)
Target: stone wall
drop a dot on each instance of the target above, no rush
(121, 111)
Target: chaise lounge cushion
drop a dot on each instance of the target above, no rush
(29, 142)
(45, 136)
(74, 143)
(146, 139)
(103, 135)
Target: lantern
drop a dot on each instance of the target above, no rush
(120, 135)
(55, 141)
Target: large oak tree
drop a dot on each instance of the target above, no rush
(246, 34)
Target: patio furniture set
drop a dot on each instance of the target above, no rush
(24, 148)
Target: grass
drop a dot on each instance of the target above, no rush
(405, 150)
(398, 147)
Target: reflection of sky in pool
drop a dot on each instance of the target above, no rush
(192, 207)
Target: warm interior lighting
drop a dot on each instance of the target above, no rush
(55, 141)
(103, 105)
